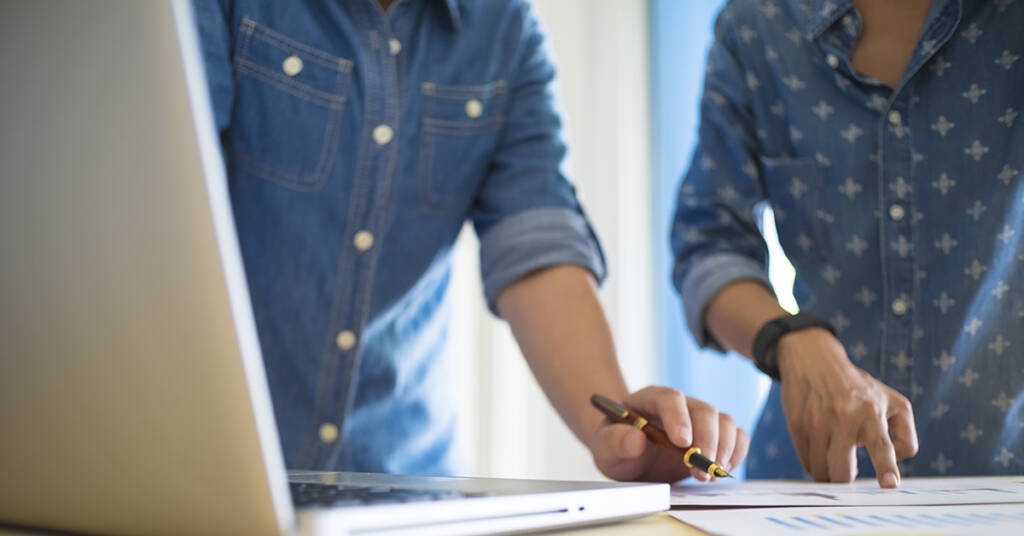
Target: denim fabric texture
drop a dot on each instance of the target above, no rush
(357, 144)
(902, 211)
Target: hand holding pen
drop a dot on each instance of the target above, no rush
(675, 436)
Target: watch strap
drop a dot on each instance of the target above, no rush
(773, 330)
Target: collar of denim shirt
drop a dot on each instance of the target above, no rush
(820, 15)
(450, 8)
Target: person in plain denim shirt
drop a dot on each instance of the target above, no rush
(359, 136)
(885, 137)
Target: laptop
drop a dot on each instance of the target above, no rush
(133, 397)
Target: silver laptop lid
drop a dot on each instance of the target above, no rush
(132, 391)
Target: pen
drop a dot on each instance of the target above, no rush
(692, 457)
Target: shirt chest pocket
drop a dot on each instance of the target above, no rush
(288, 107)
(459, 131)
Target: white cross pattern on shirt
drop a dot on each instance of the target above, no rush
(797, 187)
(972, 33)
(973, 325)
(943, 184)
(943, 361)
(901, 187)
(1007, 174)
(856, 245)
(1008, 117)
(851, 133)
(901, 360)
(770, 10)
(976, 150)
(794, 83)
(942, 464)
(830, 274)
(943, 126)
(968, 378)
(939, 65)
(971, 433)
(1000, 290)
(976, 210)
(1005, 235)
(974, 93)
(858, 351)
(944, 302)
(822, 110)
(1002, 402)
(902, 246)
(1006, 60)
(999, 345)
(976, 269)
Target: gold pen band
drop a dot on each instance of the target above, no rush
(691, 452)
(639, 423)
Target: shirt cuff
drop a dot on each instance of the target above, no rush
(536, 239)
(706, 278)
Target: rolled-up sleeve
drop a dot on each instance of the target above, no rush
(526, 212)
(533, 240)
(714, 236)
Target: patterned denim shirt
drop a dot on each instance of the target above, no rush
(357, 144)
(901, 210)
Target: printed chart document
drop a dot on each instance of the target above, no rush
(864, 492)
(987, 519)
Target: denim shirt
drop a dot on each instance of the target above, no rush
(357, 144)
(902, 211)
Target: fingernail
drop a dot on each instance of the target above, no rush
(685, 434)
(890, 480)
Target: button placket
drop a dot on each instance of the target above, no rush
(366, 220)
(898, 348)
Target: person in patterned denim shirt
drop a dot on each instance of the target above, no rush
(885, 137)
(359, 137)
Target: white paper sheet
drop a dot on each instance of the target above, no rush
(912, 491)
(990, 520)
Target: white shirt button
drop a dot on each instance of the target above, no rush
(363, 240)
(899, 307)
(394, 46)
(346, 340)
(897, 212)
(895, 118)
(474, 108)
(832, 61)
(292, 65)
(383, 134)
(328, 432)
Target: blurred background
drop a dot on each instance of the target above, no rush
(630, 76)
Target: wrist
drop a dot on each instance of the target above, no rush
(785, 349)
(766, 349)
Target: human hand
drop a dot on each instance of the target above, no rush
(832, 407)
(622, 452)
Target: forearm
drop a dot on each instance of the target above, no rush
(561, 329)
(737, 312)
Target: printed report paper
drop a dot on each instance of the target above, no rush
(863, 492)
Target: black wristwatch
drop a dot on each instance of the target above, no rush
(773, 330)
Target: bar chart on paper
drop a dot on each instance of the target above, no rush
(990, 519)
(911, 492)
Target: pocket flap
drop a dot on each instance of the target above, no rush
(463, 109)
(294, 67)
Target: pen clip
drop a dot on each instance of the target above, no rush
(609, 407)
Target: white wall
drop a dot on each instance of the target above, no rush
(508, 428)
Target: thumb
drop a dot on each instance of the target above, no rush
(615, 442)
